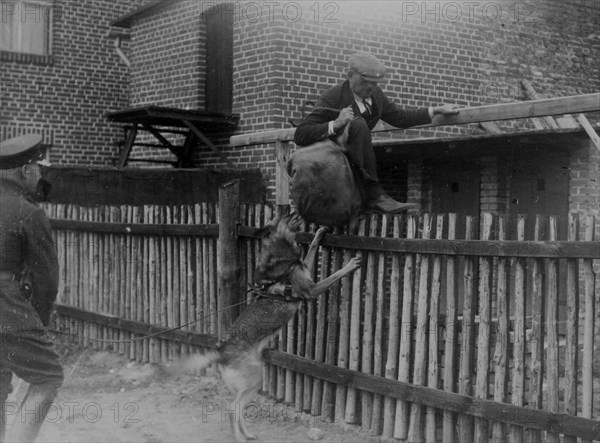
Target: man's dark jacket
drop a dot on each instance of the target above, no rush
(315, 126)
(26, 243)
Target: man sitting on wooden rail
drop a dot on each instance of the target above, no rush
(361, 103)
(28, 287)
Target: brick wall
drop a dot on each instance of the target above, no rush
(435, 52)
(168, 57)
(68, 95)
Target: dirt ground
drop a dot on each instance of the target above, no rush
(107, 398)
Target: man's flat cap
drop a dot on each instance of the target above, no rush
(20, 151)
(368, 66)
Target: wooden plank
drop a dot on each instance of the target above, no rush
(479, 248)
(483, 337)
(404, 356)
(354, 361)
(344, 335)
(590, 317)
(415, 427)
(584, 122)
(282, 179)
(431, 424)
(227, 255)
(391, 363)
(136, 327)
(572, 327)
(552, 353)
(545, 249)
(168, 295)
(317, 388)
(463, 404)
(475, 114)
(448, 425)
(128, 146)
(167, 229)
(367, 333)
(465, 422)
(380, 319)
(518, 374)
(533, 95)
(328, 405)
(501, 356)
(537, 332)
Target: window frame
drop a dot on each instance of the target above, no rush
(17, 54)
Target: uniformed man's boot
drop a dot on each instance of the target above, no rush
(32, 413)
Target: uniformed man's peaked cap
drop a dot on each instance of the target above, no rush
(20, 151)
(368, 66)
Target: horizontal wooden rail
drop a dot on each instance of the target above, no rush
(479, 248)
(190, 338)
(205, 230)
(503, 111)
(486, 409)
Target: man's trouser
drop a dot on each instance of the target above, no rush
(360, 148)
(26, 351)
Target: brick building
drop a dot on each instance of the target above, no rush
(263, 60)
(59, 74)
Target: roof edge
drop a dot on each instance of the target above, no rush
(126, 21)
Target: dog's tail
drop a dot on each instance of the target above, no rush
(200, 361)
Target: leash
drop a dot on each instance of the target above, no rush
(156, 334)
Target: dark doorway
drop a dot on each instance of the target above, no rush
(219, 58)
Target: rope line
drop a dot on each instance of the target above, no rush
(156, 334)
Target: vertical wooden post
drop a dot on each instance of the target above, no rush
(589, 291)
(572, 328)
(227, 257)
(282, 179)
(552, 353)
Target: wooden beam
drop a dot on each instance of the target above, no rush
(208, 142)
(208, 230)
(532, 94)
(476, 114)
(509, 111)
(128, 146)
(230, 291)
(584, 122)
(203, 340)
(479, 248)
(449, 401)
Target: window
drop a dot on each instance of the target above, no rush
(25, 26)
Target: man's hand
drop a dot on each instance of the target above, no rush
(346, 115)
(445, 110)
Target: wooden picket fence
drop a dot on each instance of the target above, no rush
(452, 330)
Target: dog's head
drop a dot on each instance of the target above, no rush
(280, 259)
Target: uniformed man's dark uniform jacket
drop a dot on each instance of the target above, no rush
(315, 126)
(26, 241)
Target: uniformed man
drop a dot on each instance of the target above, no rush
(28, 288)
(361, 103)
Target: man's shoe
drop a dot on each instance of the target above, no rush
(387, 205)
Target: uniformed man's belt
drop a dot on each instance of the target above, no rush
(7, 275)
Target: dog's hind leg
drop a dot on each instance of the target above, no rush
(253, 373)
(245, 382)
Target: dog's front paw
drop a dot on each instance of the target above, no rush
(322, 231)
(355, 262)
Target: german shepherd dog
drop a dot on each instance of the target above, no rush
(280, 264)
